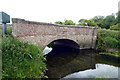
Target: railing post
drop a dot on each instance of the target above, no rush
(4, 27)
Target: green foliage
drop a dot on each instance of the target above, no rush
(100, 79)
(0, 52)
(118, 17)
(83, 22)
(109, 21)
(115, 27)
(66, 22)
(91, 23)
(21, 60)
(9, 30)
(115, 54)
(59, 22)
(108, 39)
(69, 22)
(100, 40)
(99, 20)
(111, 42)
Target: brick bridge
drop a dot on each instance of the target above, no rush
(42, 34)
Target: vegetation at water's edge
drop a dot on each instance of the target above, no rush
(108, 39)
(113, 54)
(108, 42)
(21, 60)
(109, 58)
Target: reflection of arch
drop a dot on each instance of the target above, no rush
(63, 41)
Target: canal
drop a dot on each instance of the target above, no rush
(66, 62)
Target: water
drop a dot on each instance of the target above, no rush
(67, 62)
(100, 71)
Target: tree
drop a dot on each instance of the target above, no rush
(118, 17)
(83, 22)
(69, 22)
(59, 22)
(91, 23)
(109, 21)
(99, 20)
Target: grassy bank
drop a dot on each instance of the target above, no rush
(109, 58)
(108, 42)
(113, 54)
(21, 60)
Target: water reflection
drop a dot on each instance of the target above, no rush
(101, 71)
(47, 50)
(60, 64)
(63, 61)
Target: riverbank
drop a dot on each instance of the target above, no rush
(108, 58)
(20, 59)
(112, 54)
(108, 43)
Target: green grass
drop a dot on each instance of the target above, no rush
(0, 33)
(100, 79)
(114, 54)
(21, 60)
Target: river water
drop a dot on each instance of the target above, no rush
(65, 63)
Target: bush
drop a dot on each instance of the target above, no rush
(21, 60)
(111, 42)
(108, 39)
(9, 30)
(115, 27)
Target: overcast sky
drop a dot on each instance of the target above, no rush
(58, 10)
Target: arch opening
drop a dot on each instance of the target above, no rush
(61, 45)
(63, 51)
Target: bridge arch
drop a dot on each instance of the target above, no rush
(61, 45)
(67, 42)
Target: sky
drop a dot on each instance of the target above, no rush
(58, 10)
